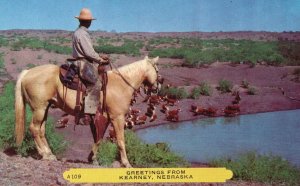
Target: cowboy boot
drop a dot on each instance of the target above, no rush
(87, 119)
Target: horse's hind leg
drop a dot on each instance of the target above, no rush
(37, 129)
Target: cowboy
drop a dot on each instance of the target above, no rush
(88, 61)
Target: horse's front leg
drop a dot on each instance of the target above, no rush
(37, 129)
(118, 124)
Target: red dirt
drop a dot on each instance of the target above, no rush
(275, 86)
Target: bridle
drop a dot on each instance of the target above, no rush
(157, 79)
(112, 66)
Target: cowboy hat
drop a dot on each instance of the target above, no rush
(85, 14)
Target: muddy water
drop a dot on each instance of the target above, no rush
(276, 133)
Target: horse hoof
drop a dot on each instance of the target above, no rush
(95, 162)
(49, 157)
(127, 165)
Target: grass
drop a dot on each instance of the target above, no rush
(162, 40)
(30, 65)
(1, 61)
(3, 41)
(203, 89)
(252, 90)
(174, 92)
(129, 47)
(225, 86)
(197, 52)
(290, 51)
(141, 154)
(7, 124)
(35, 43)
(245, 84)
(261, 168)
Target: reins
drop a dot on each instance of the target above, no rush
(112, 66)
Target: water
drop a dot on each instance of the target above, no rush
(276, 133)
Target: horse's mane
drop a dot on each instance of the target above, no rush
(132, 68)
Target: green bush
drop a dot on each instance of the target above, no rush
(174, 92)
(245, 84)
(197, 52)
(225, 86)
(7, 124)
(162, 40)
(3, 41)
(1, 61)
(30, 65)
(108, 153)
(261, 168)
(37, 44)
(129, 47)
(290, 50)
(141, 154)
(203, 89)
(252, 91)
(168, 52)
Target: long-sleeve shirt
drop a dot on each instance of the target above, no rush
(82, 45)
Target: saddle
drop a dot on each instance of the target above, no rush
(70, 78)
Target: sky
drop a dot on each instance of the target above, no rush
(154, 15)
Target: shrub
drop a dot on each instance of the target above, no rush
(162, 40)
(197, 52)
(245, 84)
(225, 86)
(13, 61)
(267, 169)
(129, 47)
(30, 65)
(252, 91)
(7, 124)
(37, 44)
(108, 153)
(203, 89)
(141, 154)
(174, 92)
(290, 51)
(1, 61)
(3, 41)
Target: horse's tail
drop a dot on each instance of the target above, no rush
(20, 109)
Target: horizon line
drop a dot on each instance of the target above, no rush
(115, 32)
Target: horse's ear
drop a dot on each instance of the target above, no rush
(146, 58)
(155, 59)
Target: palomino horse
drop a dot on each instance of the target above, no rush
(40, 87)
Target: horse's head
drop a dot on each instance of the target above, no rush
(153, 80)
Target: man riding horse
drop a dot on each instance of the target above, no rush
(87, 60)
(48, 90)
